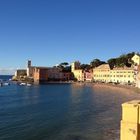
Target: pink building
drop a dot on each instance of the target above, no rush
(88, 76)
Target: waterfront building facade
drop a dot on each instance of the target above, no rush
(102, 73)
(40, 74)
(78, 73)
(88, 76)
(46, 74)
(123, 75)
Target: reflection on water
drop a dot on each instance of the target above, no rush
(61, 112)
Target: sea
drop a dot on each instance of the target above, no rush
(61, 111)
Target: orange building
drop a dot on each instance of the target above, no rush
(40, 74)
(45, 74)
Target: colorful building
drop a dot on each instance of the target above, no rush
(88, 76)
(40, 74)
(124, 75)
(78, 73)
(102, 73)
(45, 74)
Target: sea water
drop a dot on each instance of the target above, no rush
(61, 112)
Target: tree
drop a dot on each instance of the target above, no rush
(96, 62)
(64, 64)
(85, 66)
(121, 61)
(112, 62)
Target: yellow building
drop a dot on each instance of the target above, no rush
(136, 59)
(122, 75)
(78, 73)
(102, 73)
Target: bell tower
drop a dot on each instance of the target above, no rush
(29, 63)
(29, 68)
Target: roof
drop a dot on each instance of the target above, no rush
(103, 66)
(21, 70)
(48, 68)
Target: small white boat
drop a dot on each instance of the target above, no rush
(22, 84)
(6, 84)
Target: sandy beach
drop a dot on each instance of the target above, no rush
(123, 88)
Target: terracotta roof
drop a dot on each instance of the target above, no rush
(40, 67)
(103, 66)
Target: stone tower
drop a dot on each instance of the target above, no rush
(75, 65)
(29, 63)
(29, 68)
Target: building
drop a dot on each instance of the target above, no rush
(46, 74)
(30, 69)
(78, 73)
(88, 76)
(102, 73)
(136, 59)
(40, 74)
(124, 75)
(20, 72)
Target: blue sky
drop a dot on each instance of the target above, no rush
(52, 31)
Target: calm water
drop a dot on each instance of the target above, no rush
(61, 112)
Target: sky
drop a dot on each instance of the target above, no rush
(49, 32)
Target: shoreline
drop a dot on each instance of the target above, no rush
(127, 87)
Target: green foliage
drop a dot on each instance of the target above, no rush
(112, 62)
(65, 67)
(85, 67)
(121, 61)
(96, 62)
(64, 64)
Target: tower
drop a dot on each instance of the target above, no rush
(29, 68)
(29, 63)
(75, 65)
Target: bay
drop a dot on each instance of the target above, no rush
(61, 112)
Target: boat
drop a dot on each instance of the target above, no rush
(6, 84)
(22, 84)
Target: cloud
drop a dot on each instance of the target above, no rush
(7, 71)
